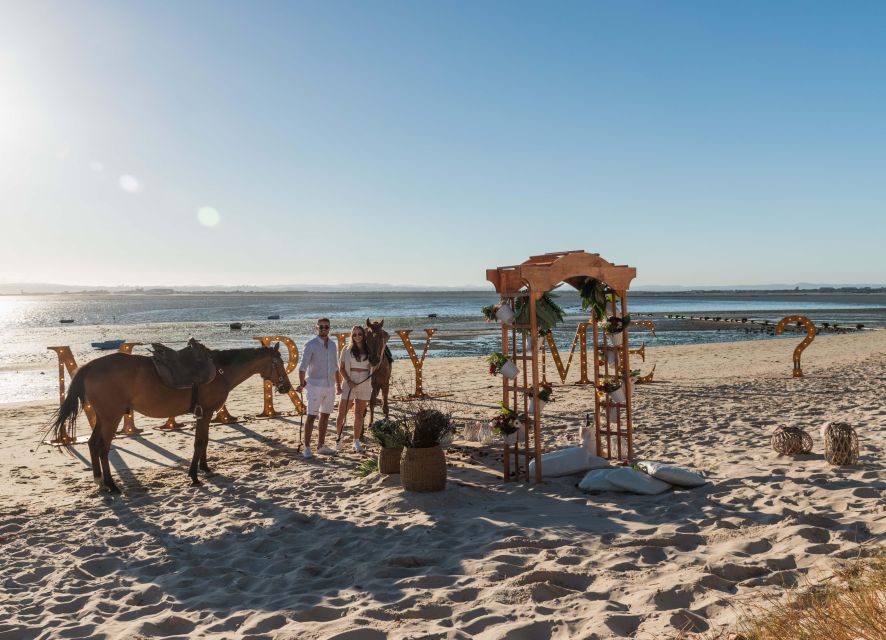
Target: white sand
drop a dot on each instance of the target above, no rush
(277, 547)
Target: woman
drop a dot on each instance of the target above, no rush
(356, 388)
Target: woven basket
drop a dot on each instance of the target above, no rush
(840, 444)
(423, 469)
(791, 441)
(389, 459)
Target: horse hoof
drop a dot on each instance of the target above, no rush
(114, 488)
(209, 473)
(195, 482)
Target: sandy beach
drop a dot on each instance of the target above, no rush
(277, 547)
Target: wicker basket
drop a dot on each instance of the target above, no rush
(840, 444)
(791, 441)
(389, 459)
(423, 469)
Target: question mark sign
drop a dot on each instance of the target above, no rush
(810, 336)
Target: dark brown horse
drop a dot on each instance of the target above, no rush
(376, 343)
(117, 383)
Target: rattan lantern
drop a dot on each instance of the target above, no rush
(840, 444)
(789, 441)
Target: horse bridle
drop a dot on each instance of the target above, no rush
(278, 369)
(381, 353)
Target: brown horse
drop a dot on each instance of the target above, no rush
(117, 383)
(376, 343)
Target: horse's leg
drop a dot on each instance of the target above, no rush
(106, 429)
(95, 447)
(204, 465)
(372, 404)
(201, 439)
(384, 400)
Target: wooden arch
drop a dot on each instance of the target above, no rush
(533, 278)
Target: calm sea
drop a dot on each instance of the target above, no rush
(29, 324)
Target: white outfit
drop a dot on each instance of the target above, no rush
(358, 371)
(320, 362)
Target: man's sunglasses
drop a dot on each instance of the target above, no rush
(322, 326)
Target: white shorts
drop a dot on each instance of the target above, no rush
(320, 399)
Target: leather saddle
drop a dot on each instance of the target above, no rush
(186, 368)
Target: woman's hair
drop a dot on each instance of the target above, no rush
(358, 352)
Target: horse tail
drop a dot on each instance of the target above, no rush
(67, 413)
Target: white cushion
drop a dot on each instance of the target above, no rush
(566, 462)
(628, 479)
(597, 480)
(672, 474)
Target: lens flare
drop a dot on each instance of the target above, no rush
(207, 216)
(129, 183)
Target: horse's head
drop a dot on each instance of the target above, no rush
(274, 369)
(376, 340)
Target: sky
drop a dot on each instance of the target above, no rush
(230, 143)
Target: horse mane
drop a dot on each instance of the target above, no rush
(227, 357)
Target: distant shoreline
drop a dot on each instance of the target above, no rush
(745, 293)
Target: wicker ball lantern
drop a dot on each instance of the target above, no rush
(789, 441)
(840, 444)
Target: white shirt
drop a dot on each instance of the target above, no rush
(320, 362)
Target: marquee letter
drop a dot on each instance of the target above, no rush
(416, 362)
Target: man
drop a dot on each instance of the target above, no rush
(318, 373)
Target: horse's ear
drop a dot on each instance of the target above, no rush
(277, 347)
(368, 323)
(381, 324)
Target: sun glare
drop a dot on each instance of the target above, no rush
(129, 183)
(207, 216)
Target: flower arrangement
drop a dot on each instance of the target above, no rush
(546, 392)
(609, 385)
(390, 434)
(505, 423)
(427, 428)
(614, 324)
(501, 312)
(496, 362)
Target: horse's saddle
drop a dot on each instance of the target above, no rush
(185, 368)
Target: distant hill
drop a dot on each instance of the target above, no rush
(39, 288)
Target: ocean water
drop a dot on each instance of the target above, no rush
(30, 324)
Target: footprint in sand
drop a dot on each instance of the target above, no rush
(736, 572)
(652, 555)
(360, 634)
(688, 622)
(151, 595)
(564, 579)
(674, 598)
(171, 625)
(101, 567)
(814, 534)
(265, 624)
(623, 625)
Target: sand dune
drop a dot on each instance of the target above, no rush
(278, 547)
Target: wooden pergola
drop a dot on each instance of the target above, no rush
(532, 279)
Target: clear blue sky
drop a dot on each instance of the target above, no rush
(423, 142)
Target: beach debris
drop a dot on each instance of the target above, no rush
(840, 443)
(789, 441)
